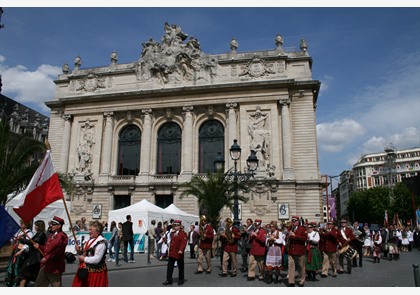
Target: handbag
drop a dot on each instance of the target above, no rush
(82, 272)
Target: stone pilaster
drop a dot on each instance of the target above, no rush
(188, 140)
(107, 148)
(146, 140)
(286, 132)
(232, 135)
(66, 143)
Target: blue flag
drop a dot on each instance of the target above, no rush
(8, 227)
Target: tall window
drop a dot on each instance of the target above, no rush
(169, 149)
(211, 142)
(129, 151)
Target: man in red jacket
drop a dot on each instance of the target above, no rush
(230, 238)
(345, 238)
(257, 253)
(206, 232)
(53, 263)
(176, 253)
(297, 252)
(328, 245)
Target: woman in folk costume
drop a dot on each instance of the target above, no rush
(314, 256)
(368, 240)
(32, 264)
(92, 256)
(404, 241)
(273, 262)
(20, 251)
(377, 241)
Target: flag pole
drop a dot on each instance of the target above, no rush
(47, 144)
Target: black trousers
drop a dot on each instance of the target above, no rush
(192, 253)
(170, 269)
(358, 246)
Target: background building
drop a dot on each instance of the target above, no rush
(128, 132)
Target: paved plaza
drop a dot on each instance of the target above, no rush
(387, 273)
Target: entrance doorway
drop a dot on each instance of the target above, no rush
(164, 201)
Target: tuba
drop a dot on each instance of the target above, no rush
(228, 231)
(202, 232)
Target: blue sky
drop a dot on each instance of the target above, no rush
(367, 59)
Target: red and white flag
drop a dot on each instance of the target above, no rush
(43, 189)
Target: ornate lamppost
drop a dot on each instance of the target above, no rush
(235, 175)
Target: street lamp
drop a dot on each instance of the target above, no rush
(235, 175)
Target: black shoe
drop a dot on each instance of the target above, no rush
(223, 274)
(340, 271)
(250, 278)
(324, 276)
(349, 271)
(334, 275)
(181, 282)
(290, 285)
(276, 280)
(301, 285)
(233, 275)
(165, 283)
(198, 272)
(208, 272)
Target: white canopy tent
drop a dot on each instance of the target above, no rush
(186, 218)
(142, 213)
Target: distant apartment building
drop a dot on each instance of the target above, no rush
(345, 189)
(23, 120)
(379, 169)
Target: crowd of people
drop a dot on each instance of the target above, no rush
(295, 251)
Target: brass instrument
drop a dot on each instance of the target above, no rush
(228, 231)
(202, 233)
(228, 235)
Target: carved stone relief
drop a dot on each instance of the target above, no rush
(85, 147)
(260, 137)
(91, 83)
(256, 68)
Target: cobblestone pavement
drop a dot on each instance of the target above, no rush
(152, 273)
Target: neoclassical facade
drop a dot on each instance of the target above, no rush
(128, 132)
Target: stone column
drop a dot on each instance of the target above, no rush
(107, 148)
(146, 140)
(66, 143)
(231, 130)
(187, 146)
(286, 132)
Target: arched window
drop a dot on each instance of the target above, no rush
(169, 149)
(129, 150)
(211, 142)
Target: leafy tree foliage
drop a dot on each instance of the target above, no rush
(214, 192)
(370, 205)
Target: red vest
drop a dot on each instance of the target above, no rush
(233, 246)
(329, 240)
(178, 243)
(297, 244)
(207, 243)
(258, 242)
(54, 249)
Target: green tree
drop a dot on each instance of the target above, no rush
(213, 192)
(403, 203)
(20, 156)
(369, 205)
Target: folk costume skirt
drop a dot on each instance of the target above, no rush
(314, 259)
(273, 258)
(97, 277)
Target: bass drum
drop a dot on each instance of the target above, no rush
(348, 252)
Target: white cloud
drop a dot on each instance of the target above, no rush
(325, 83)
(334, 136)
(26, 86)
(407, 138)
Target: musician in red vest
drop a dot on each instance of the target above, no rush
(53, 263)
(257, 252)
(176, 253)
(230, 238)
(328, 245)
(205, 248)
(345, 238)
(297, 252)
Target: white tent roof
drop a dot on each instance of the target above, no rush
(185, 217)
(142, 206)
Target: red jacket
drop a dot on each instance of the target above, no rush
(233, 246)
(54, 249)
(178, 243)
(329, 240)
(258, 242)
(207, 243)
(349, 236)
(297, 244)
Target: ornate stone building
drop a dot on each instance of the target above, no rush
(128, 132)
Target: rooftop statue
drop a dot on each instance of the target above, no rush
(173, 60)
